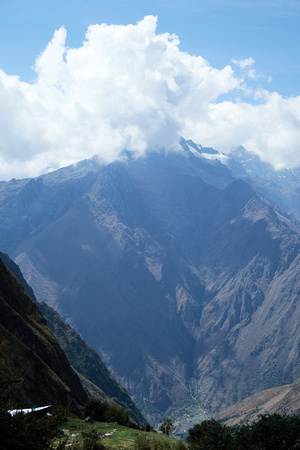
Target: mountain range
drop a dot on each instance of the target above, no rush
(178, 268)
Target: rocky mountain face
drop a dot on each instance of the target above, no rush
(30, 353)
(182, 277)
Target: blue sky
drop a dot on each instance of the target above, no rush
(218, 30)
(233, 79)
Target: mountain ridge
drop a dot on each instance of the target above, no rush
(177, 262)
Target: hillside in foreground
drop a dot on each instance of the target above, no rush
(93, 374)
(31, 354)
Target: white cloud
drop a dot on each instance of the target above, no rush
(243, 63)
(127, 86)
(271, 129)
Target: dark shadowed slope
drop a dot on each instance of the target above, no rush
(15, 270)
(29, 351)
(91, 370)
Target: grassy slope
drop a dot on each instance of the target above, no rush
(121, 437)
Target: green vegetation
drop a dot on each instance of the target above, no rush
(24, 431)
(270, 432)
(166, 426)
(21, 432)
(103, 412)
(210, 435)
(154, 441)
(27, 431)
(105, 429)
(42, 431)
(82, 435)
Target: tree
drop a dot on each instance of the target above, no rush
(270, 432)
(95, 409)
(167, 426)
(276, 431)
(103, 412)
(209, 435)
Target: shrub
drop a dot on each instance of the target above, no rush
(91, 441)
(166, 426)
(102, 412)
(95, 409)
(146, 442)
(115, 413)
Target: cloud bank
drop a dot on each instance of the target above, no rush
(129, 87)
